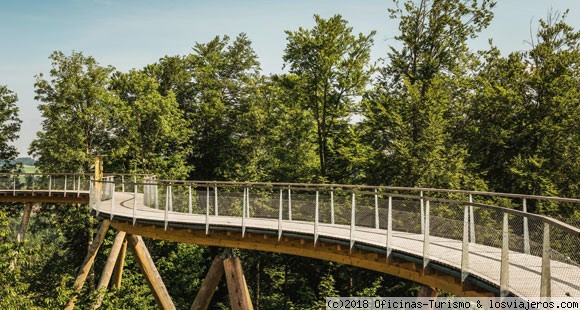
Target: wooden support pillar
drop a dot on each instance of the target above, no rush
(109, 266)
(150, 271)
(88, 262)
(24, 223)
(118, 272)
(427, 291)
(211, 281)
(237, 288)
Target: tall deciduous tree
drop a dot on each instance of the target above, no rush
(75, 108)
(9, 125)
(222, 109)
(332, 65)
(413, 113)
(524, 130)
(149, 133)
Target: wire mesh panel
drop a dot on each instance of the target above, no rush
(230, 201)
(264, 203)
(406, 215)
(180, 198)
(488, 226)
(303, 205)
(365, 210)
(7, 181)
(565, 255)
(446, 220)
(342, 207)
(325, 207)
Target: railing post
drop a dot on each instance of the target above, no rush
(33, 185)
(505, 259)
(64, 184)
(244, 213)
(170, 197)
(352, 221)
(465, 245)
(526, 230)
(112, 204)
(376, 210)
(289, 204)
(545, 282)
(316, 220)
(14, 186)
(145, 192)
(49, 185)
(280, 217)
(98, 187)
(332, 207)
(215, 196)
(248, 215)
(165, 215)
(389, 227)
(79, 187)
(422, 213)
(122, 183)
(207, 210)
(471, 220)
(92, 196)
(189, 200)
(156, 194)
(426, 240)
(135, 202)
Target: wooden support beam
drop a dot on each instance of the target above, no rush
(291, 245)
(88, 262)
(427, 291)
(150, 271)
(211, 281)
(237, 288)
(109, 266)
(118, 272)
(24, 223)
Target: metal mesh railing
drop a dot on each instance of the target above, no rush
(445, 222)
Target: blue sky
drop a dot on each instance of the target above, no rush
(130, 34)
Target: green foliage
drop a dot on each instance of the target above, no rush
(225, 118)
(148, 129)
(75, 111)
(524, 130)
(9, 126)
(332, 68)
(413, 114)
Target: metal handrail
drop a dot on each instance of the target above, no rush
(150, 188)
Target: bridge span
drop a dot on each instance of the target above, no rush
(466, 242)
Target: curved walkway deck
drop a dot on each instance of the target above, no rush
(445, 255)
(447, 242)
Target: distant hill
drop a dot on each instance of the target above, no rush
(28, 161)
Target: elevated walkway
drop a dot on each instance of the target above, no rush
(446, 239)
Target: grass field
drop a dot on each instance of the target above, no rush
(29, 169)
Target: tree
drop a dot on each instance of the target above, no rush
(332, 66)
(76, 105)
(9, 126)
(524, 119)
(222, 109)
(149, 132)
(288, 132)
(415, 113)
